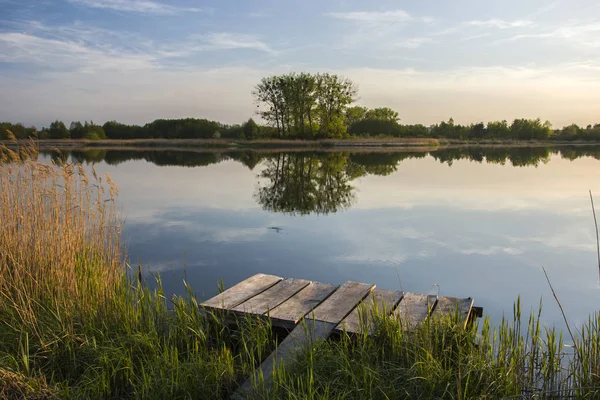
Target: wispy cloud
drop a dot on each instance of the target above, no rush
(60, 54)
(75, 47)
(391, 16)
(260, 14)
(138, 6)
(380, 31)
(489, 23)
(500, 24)
(226, 41)
(583, 35)
(474, 37)
(413, 43)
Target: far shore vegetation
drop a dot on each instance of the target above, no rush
(303, 106)
(79, 323)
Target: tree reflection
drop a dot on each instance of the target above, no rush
(303, 183)
(356, 163)
(321, 182)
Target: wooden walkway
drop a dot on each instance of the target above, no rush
(327, 308)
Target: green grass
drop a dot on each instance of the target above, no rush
(77, 323)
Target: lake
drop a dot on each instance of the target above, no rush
(476, 222)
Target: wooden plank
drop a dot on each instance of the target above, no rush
(242, 291)
(272, 297)
(341, 302)
(305, 334)
(447, 306)
(288, 314)
(317, 325)
(414, 308)
(361, 316)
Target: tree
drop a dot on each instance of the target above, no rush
(382, 114)
(374, 127)
(334, 94)
(530, 129)
(478, 131)
(268, 93)
(355, 114)
(92, 131)
(76, 130)
(58, 130)
(305, 105)
(250, 129)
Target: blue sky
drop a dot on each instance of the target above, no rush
(137, 60)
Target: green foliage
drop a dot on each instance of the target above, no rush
(117, 130)
(76, 130)
(58, 130)
(374, 127)
(305, 105)
(92, 131)
(530, 129)
(382, 114)
(18, 130)
(498, 130)
(187, 128)
(355, 114)
(250, 129)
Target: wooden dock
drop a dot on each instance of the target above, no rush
(324, 308)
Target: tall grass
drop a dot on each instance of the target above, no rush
(75, 324)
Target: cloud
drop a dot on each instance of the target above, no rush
(74, 47)
(492, 250)
(493, 23)
(67, 54)
(500, 24)
(259, 14)
(225, 41)
(391, 16)
(413, 43)
(583, 35)
(138, 6)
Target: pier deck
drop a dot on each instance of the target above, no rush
(326, 308)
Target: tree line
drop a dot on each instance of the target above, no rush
(308, 106)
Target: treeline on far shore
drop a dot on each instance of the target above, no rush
(307, 106)
(373, 124)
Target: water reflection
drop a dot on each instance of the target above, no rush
(322, 182)
(306, 183)
(357, 163)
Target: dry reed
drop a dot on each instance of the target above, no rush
(60, 238)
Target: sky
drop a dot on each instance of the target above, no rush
(137, 60)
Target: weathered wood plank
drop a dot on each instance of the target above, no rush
(243, 291)
(272, 297)
(341, 302)
(361, 316)
(447, 306)
(305, 334)
(414, 308)
(289, 313)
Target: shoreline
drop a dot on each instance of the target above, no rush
(371, 144)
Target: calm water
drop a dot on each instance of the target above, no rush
(478, 223)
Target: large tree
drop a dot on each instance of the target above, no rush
(305, 105)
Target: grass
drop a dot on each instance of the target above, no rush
(77, 323)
